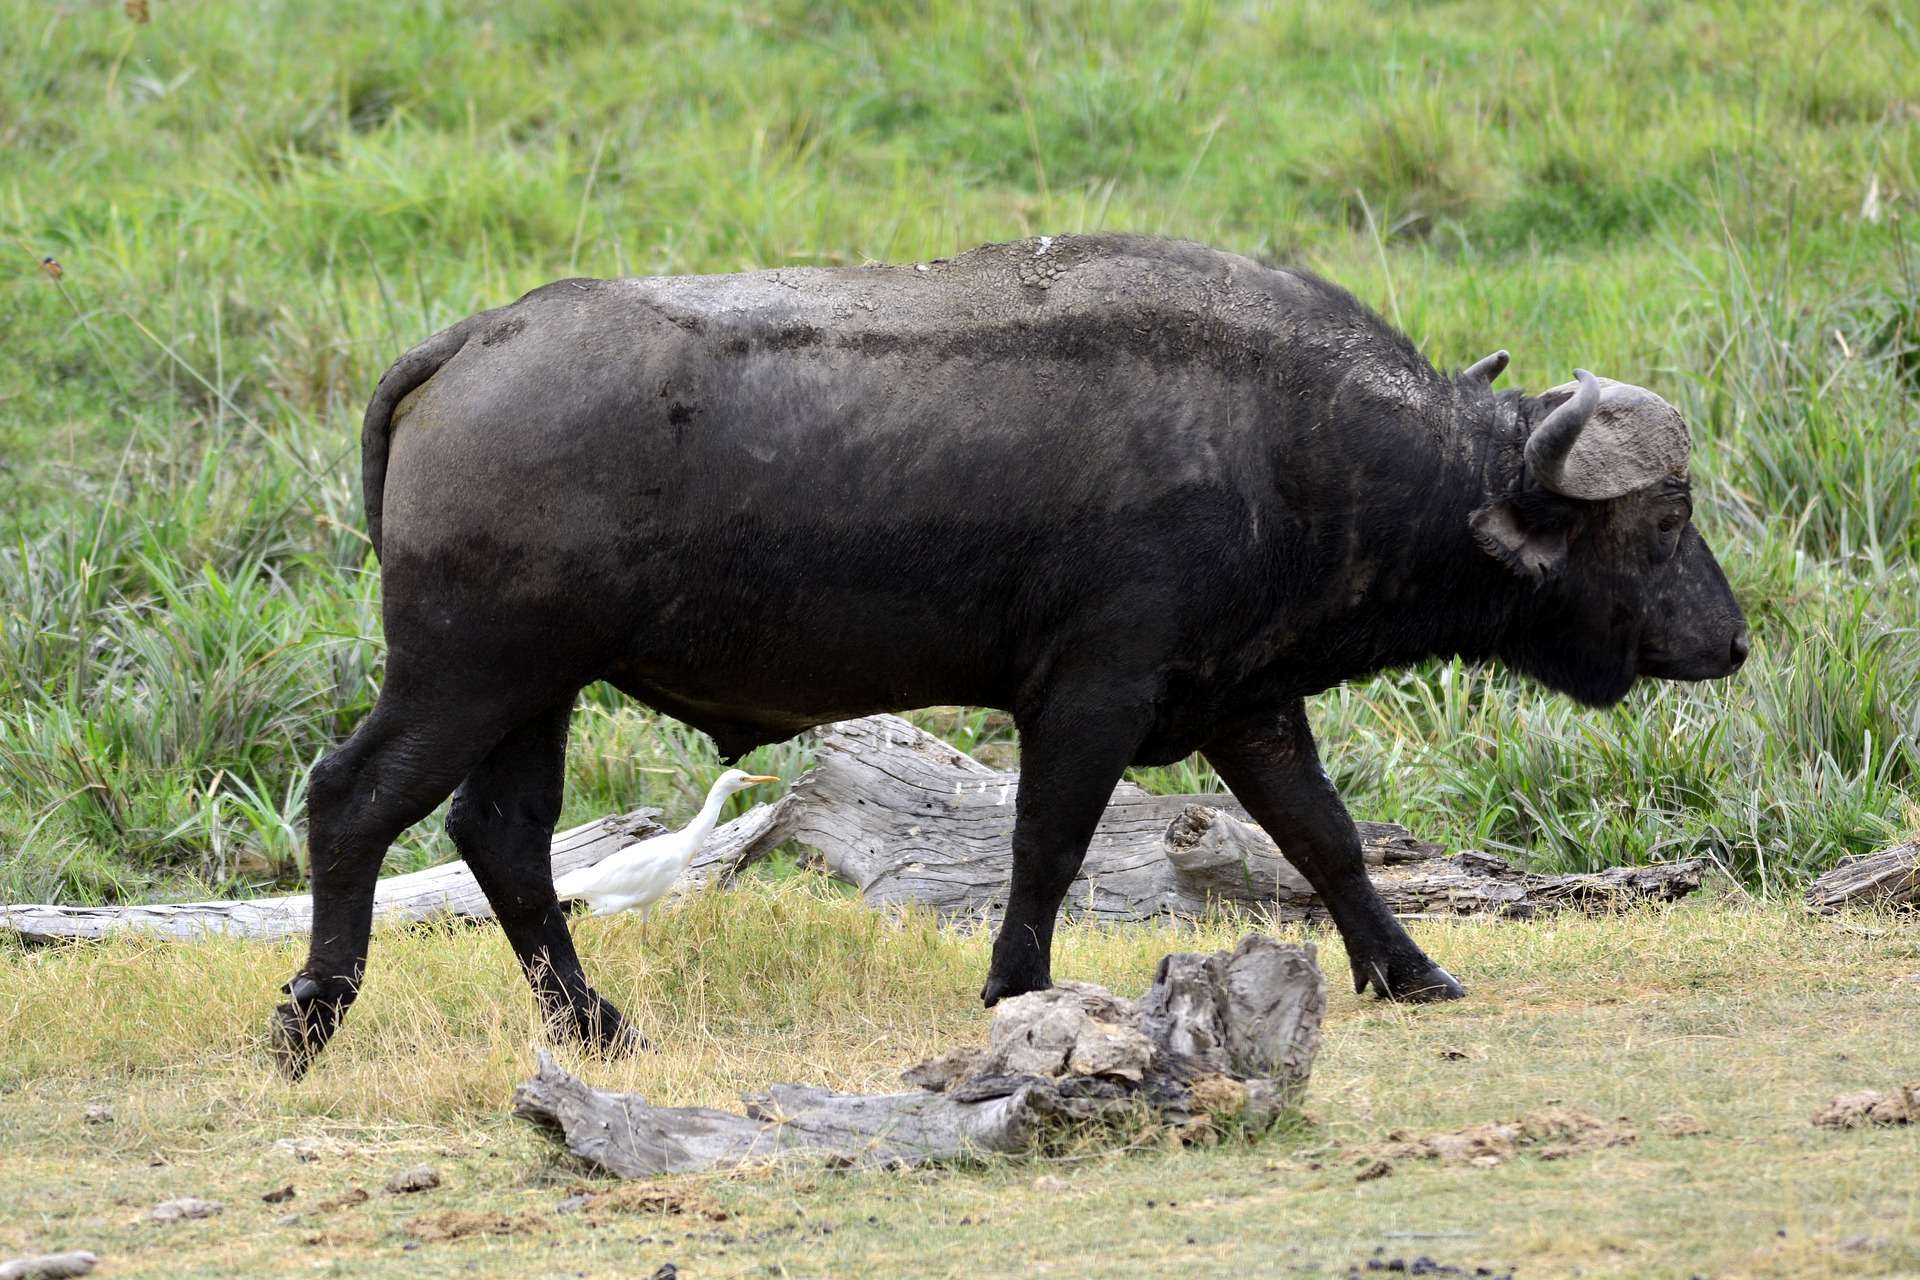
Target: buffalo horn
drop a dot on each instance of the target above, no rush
(1487, 368)
(1548, 446)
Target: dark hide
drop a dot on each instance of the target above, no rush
(1145, 495)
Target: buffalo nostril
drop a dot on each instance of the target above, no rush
(1739, 649)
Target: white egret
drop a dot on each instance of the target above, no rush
(640, 874)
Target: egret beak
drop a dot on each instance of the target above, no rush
(762, 777)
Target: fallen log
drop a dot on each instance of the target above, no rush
(1890, 878)
(908, 819)
(444, 890)
(1226, 1038)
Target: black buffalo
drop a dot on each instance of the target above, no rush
(1145, 495)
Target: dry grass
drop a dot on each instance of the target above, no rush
(1746, 1017)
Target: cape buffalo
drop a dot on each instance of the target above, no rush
(1144, 495)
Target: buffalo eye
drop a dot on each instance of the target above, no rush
(1668, 541)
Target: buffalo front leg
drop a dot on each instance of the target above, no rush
(1072, 754)
(1274, 770)
(502, 821)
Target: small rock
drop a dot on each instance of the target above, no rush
(667, 1270)
(305, 1150)
(48, 1266)
(287, 1220)
(186, 1207)
(99, 1115)
(279, 1195)
(422, 1177)
(573, 1204)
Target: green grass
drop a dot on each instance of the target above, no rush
(1748, 1017)
(259, 206)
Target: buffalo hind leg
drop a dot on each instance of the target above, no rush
(1072, 755)
(502, 821)
(395, 768)
(1274, 770)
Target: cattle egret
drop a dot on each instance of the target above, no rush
(640, 874)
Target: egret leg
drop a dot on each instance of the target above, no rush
(502, 821)
(1274, 769)
(1073, 752)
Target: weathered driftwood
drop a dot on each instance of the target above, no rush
(1223, 1038)
(447, 889)
(909, 819)
(1888, 878)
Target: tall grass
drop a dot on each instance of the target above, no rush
(257, 207)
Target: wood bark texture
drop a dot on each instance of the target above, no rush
(1228, 1037)
(1889, 878)
(910, 820)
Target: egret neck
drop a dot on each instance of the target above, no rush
(697, 831)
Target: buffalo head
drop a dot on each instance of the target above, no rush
(1598, 515)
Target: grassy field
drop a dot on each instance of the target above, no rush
(256, 207)
(1745, 1018)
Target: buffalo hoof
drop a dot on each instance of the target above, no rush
(600, 1029)
(1005, 986)
(1421, 983)
(302, 1026)
(298, 1032)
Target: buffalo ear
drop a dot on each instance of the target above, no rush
(1529, 547)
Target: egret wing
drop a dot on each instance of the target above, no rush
(584, 880)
